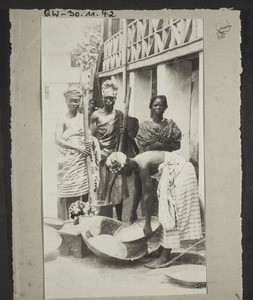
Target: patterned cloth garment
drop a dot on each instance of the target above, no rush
(72, 170)
(179, 207)
(149, 133)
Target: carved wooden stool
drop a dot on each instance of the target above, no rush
(72, 241)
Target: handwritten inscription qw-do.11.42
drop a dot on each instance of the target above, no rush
(77, 13)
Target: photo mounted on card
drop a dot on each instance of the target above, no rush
(133, 110)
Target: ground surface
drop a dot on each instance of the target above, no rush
(91, 276)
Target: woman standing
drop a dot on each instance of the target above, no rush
(158, 133)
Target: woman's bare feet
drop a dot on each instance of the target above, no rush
(158, 262)
(155, 254)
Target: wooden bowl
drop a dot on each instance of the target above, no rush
(133, 233)
(189, 276)
(52, 240)
(53, 222)
(105, 227)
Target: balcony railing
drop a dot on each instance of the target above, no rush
(113, 51)
(146, 38)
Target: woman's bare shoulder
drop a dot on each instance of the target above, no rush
(61, 121)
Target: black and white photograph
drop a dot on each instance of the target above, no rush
(123, 192)
(123, 184)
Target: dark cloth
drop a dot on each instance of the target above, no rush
(108, 134)
(149, 133)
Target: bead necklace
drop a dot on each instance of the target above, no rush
(163, 119)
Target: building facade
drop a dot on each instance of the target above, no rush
(161, 56)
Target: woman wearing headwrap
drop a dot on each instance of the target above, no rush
(106, 126)
(179, 209)
(72, 151)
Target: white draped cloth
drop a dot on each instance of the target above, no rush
(179, 207)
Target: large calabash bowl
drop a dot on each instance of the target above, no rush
(98, 225)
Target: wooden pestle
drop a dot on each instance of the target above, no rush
(120, 146)
(87, 138)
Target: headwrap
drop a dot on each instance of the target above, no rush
(109, 89)
(116, 161)
(73, 92)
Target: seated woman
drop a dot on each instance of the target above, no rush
(179, 208)
(158, 133)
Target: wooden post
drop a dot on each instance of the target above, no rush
(87, 138)
(127, 101)
(124, 59)
(201, 133)
(109, 28)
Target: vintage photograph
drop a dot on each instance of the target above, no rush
(123, 186)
